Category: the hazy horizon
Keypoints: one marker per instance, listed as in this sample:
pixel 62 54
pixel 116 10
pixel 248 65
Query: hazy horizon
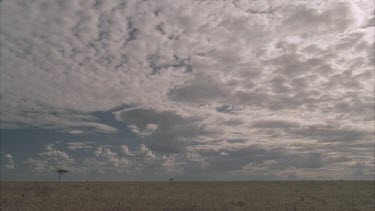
pixel 270 90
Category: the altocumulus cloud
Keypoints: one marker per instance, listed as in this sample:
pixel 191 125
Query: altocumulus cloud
pixel 198 89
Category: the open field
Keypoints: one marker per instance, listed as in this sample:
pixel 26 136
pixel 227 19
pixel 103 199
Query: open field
pixel 329 195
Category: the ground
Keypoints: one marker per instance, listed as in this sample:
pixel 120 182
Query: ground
pixel 167 196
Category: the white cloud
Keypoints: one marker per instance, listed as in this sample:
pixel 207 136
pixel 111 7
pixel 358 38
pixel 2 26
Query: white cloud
pixel 170 164
pixel 134 128
pixel 106 155
pixel 150 128
pixel 143 151
pixel 199 74
pixel 77 132
pixel 50 160
pixel 79 145
pixel 147 131
pixel 38 165
pixel 137 162
pixel 93 54
pixel 125 151
pixel 9 162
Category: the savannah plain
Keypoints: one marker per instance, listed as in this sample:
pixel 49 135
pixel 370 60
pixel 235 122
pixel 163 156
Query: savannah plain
pixel 168 196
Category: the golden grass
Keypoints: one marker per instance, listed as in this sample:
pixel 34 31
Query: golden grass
pixel 167 196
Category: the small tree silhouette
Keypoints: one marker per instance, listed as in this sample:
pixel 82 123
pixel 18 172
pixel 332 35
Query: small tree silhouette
pixel 61 172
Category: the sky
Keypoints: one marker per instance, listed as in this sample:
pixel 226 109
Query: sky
pixel 190 89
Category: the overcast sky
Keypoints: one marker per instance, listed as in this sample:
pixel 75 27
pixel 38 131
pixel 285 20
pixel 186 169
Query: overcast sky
pixel 193 89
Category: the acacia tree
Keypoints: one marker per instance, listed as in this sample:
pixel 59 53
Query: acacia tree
pixel 61 172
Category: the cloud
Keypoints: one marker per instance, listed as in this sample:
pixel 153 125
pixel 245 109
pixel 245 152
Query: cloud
pixel 9 162
pixel 274 124
pixel 37 165
pixel 69 62
pixel 105 155
pixel 172 134
pixel 169 163
pixel 233 122
pixel 196 84
pixel 45 117
pixel 145 152
pixel 202 89
pixel 49 160
pixel 325 133
pixel 363 170
pixel 227 109
pixel 79 145
pixel 253 155
pixel 141 152
pixel 147 131
pixel 236 141
pixel 121 160
pixel 126 151
pixel 337 17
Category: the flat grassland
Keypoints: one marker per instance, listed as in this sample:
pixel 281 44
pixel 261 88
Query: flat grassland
pixel 163 196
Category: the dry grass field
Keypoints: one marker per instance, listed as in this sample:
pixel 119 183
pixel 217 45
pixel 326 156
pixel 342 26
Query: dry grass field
pixel 330 195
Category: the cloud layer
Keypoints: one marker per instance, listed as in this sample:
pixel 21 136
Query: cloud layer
pixel 240 89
